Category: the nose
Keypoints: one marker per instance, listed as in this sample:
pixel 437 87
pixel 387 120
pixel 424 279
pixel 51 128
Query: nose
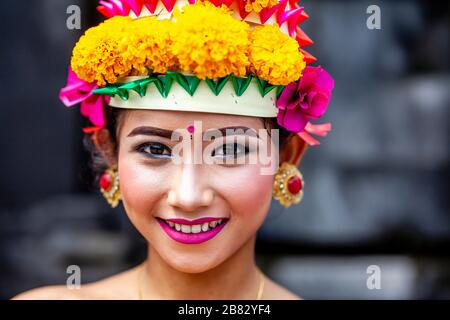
pixel 190 190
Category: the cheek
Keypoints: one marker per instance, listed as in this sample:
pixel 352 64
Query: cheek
pixel 248 194
pixel 140 187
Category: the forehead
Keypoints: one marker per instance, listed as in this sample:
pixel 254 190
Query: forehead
pixel 172 120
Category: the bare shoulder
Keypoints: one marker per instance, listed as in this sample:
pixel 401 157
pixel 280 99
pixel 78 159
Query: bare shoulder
pixel 115 287
pixel 49 293
pixel 274 291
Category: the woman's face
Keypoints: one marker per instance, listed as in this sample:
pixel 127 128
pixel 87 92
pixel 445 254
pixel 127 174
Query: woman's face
pixel 156 189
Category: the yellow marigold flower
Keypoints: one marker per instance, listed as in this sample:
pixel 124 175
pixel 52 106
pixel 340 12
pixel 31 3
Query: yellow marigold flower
pixel 97 55
pixel 122 46
pixel 258 5
pixel 209 42
pixel 147 44
pixel 274 56
pixel 203 39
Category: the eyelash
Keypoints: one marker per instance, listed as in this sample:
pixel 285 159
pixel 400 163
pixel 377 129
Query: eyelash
pixel 236 146
pixel 142 149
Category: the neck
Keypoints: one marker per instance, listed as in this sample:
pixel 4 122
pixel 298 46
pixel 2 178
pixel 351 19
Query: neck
pixel 235 278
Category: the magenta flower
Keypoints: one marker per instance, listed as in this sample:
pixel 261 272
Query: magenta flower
pixel 305 100
pixel 77 91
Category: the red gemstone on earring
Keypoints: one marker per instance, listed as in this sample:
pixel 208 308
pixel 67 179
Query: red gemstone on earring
pixel 105 181
pixel 294 184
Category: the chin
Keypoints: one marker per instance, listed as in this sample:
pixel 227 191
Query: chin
pixel 193 263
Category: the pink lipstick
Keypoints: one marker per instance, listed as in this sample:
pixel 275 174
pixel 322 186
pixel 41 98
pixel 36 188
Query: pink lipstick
pixel 178 229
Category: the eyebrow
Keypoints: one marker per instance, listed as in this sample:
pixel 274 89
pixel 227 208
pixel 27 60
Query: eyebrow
pixel 150 131
pixel 154 131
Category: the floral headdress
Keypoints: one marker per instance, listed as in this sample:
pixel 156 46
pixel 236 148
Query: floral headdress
pixel 243 57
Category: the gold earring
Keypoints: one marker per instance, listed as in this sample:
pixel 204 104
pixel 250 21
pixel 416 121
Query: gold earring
pixel 288 185
pixel 109 186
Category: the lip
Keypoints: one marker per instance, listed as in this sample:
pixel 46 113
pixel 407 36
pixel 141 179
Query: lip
pixel 190 238
pixel 192 222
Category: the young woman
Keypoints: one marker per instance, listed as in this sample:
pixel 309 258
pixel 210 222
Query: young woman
pixel 176 148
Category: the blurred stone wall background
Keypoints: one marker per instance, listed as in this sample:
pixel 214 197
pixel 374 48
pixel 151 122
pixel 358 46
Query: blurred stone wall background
pixel 376 189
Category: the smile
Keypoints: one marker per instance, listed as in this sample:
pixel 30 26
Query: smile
pixel 192 232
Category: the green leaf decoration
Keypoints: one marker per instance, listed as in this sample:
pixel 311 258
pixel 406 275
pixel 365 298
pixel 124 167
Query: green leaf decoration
pixel 189 83
pixel 166 84
pixel 107 91
pixel 123 93
pixel 143 83
pixel 264 86
pixel 241 84
pixel 193 83
pixel 141 88
pixel 279 90
pixel 217 85
pixel 134 85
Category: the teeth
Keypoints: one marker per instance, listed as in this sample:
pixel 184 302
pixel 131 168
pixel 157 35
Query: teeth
pixel 185 228
pixel 213 224
pixel 196 228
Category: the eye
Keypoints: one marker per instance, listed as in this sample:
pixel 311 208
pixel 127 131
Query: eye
pixel 155 150
pixel 230 150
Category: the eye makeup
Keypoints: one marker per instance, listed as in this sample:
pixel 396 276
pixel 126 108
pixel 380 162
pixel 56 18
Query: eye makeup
pixel 154 150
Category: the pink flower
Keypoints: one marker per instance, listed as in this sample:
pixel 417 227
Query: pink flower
pixel 77 91
pixel 304 100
